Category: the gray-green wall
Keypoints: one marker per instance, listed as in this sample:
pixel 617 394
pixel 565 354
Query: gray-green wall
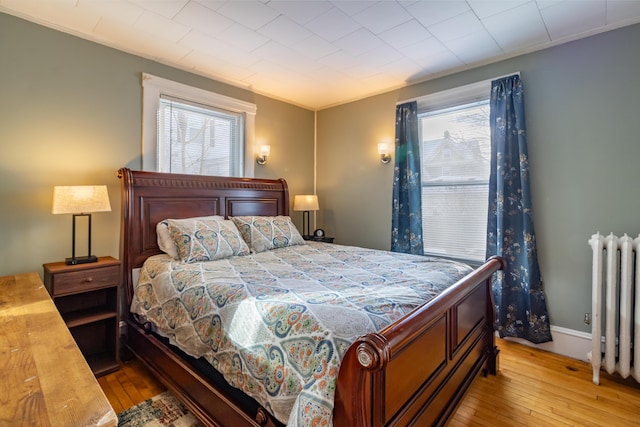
pixel 70 114
pixel 581 102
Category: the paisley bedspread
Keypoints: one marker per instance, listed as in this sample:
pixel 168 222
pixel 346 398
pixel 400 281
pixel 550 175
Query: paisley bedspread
pixel 276 324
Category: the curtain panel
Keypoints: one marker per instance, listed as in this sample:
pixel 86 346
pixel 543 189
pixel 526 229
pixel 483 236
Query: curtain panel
pixel 406 216
pixel 518 291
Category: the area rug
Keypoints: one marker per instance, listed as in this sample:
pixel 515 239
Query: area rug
pixel 163 410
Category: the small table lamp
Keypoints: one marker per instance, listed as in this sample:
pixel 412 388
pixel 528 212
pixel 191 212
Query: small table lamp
pixel 80 201
pixel 305 203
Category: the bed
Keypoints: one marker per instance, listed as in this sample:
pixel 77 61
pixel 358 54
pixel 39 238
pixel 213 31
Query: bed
pixel 413 371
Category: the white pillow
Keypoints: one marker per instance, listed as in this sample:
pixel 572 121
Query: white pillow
pixel 166 243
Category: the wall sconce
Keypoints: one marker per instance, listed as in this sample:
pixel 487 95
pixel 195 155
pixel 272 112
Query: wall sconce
pixel 385 152
pixel 264 152
pixel 80 201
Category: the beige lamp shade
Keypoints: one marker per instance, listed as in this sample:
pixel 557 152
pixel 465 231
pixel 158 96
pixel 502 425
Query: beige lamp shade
pixel 80 199
pixel 306 202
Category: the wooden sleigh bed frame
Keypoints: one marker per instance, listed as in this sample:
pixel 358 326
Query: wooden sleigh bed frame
pixel 414 372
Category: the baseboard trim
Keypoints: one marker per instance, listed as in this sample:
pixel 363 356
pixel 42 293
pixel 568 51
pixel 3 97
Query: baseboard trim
pixel 567 342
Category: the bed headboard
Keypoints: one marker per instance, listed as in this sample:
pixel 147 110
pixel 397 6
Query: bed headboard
pixel 150 197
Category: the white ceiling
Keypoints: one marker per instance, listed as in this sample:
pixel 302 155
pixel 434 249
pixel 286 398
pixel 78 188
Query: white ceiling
pixel 318 53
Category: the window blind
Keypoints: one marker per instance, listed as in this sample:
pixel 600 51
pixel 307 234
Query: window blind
pixel 196 139
pixel 455 176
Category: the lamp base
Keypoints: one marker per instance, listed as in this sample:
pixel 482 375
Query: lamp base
pixel 81 260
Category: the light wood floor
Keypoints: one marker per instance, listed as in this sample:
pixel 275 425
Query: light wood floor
pixel 533 388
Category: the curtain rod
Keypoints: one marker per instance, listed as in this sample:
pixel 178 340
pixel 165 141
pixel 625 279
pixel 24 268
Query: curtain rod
pixel 458 87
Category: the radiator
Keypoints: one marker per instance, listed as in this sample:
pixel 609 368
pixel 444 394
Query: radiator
pixel 615 306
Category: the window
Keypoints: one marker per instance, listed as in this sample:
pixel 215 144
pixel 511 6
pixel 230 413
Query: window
pixel 456 150
pixel 190 130
pixel 198 140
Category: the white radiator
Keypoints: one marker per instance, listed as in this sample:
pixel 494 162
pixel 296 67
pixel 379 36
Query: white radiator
pixel 615 306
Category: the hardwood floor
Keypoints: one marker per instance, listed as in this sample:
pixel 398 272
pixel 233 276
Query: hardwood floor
pixel 539 388
pixel 533 387
pixel 130 385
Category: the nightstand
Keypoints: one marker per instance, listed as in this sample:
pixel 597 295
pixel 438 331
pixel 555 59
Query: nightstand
pixel 319 239
pixel 86 296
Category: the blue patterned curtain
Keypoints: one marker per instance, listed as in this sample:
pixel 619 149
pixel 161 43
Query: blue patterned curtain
pixel 406 217
pixel 518 292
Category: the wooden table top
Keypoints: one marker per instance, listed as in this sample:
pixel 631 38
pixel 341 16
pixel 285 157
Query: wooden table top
pixel 45 380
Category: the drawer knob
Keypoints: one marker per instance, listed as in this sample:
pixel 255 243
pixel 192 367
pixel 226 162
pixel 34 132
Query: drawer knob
pixel 89 279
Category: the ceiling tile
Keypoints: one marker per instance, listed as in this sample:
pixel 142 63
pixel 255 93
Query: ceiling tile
pixel 382 16
pixel 251 14
pixel 61 15
pixel 358 42
pixel 283 56
pixel 314 47
pixel 121 11
pixel 332 25
pixel 402 70
pixel 167 8
pixel 242 37
pixel 369 63
pixel 202 42
pixel 203 19
pixel 474 47
pixel 517 28
pixel 23 8
pixel 140 43
pixel 300 11
pixel 573 17
pixel 284 31
pixel 215 48
pixel 339 60
pixel 543 4
pixel 159 26
pixel 266 70
pixel 405 34
pixel 433 12
pixel 35 7
pixel 351 7
pixel 423 49
pixel 201 61
pixel 440 62
pixel 210 4
pixel 454 28
pixel 484 9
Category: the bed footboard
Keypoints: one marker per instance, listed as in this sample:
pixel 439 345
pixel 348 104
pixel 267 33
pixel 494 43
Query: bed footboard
pixel 416 371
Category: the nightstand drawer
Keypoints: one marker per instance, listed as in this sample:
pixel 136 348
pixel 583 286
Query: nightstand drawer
pixel 85 280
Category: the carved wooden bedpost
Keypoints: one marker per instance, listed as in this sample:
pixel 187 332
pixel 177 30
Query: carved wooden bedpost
pixel 492 365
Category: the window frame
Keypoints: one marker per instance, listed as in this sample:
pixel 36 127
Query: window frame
pixel 154 87
pixel 459 96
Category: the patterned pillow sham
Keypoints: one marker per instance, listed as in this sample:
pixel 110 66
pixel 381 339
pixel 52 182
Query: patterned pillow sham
pixel 263 233
pixel 165 242
pixel 206 240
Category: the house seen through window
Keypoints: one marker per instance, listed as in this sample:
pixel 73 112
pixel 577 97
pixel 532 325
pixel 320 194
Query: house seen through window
pixel 456 150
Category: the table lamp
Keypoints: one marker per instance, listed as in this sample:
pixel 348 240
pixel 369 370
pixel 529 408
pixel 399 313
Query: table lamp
pixel 305 203
pixel 80 201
